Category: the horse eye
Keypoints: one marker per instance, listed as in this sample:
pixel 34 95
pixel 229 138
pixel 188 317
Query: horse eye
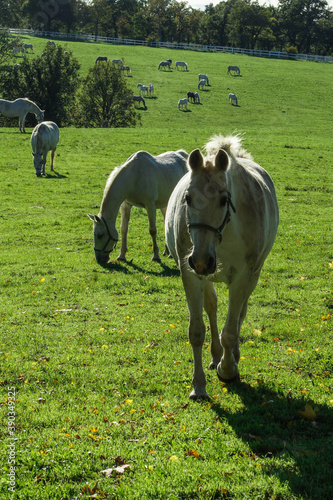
pixel 188 199
pixel 223 201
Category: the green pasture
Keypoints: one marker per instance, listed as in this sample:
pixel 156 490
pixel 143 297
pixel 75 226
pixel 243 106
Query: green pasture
pixel 98 357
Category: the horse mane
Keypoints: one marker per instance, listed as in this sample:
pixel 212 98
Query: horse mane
pixel 232 144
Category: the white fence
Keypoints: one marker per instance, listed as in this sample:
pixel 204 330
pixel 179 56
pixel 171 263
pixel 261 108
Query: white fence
pixel 178 46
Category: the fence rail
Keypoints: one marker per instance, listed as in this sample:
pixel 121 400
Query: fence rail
pixel 174 45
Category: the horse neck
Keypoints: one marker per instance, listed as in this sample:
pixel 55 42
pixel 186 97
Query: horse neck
pixel 114 194
pixel 33 108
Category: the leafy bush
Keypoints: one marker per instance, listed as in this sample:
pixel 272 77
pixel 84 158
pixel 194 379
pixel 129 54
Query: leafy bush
pixel 106 100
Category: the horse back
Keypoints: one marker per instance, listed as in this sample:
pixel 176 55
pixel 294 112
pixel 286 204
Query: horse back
pixel 44 137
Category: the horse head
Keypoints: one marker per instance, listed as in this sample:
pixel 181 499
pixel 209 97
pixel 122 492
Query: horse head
pixel 207 202
pixel 104 241
pixel 39 164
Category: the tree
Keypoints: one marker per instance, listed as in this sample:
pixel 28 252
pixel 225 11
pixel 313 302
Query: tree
pixel 50 80
pixel 6 46
pixel 105 99
pixel 298 20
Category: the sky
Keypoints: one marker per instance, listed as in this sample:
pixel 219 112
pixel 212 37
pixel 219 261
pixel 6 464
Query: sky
pixel 200 4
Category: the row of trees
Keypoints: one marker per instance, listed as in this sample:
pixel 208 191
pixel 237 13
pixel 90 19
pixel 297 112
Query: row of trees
pixel 102 99
pixel 306 25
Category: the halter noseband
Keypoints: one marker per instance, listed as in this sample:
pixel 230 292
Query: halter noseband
pixel 109 239
pixel 217 231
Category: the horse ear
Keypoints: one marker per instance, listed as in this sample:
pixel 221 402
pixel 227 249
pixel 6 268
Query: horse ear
pixel 196 160
pixel 94 218
pixel 222 160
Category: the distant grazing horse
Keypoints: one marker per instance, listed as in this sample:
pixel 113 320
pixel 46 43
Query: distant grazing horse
pixel 16 50
pixel 233 68
pixel 44 138
pixel 181 64
pixel 194 96
pixel 220 225
pixel 182 103
pixel 151 88
pixel 202 84
pixel 27 46
pixel 144 89
pixel 101 59
pixel 233 97
pixel 117 61
pixel 203 77
pixel 20 108
pixel 51 42
pixel 164 64
pixel 125 68
pixel 138 98
pixel 143 181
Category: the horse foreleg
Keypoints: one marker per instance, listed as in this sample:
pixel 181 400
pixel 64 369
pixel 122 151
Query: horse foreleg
pixel 151 211
pixel 210 305
pixel 194 289
pixel 125 211
pixel 239 293
pixel 22 123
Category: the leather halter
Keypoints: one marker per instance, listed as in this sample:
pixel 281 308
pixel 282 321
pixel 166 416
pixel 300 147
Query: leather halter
pixel 109 239
pixel 216 230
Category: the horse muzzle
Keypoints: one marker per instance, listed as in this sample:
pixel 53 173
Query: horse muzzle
pixel 203 266
pixel 102 257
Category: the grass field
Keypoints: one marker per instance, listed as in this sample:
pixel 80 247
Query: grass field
pixel 96 366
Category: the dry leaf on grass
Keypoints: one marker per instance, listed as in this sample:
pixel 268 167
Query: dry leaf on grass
pixel 308 413
pixel 120 469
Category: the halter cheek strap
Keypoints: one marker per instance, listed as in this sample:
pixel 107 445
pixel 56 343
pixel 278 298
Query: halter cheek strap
pixel 216 230
pixel 111 238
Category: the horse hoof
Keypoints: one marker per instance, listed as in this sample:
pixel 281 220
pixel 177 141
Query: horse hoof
pixel 122 259
pixel 156 259
pixel 236 378
pixel 197 397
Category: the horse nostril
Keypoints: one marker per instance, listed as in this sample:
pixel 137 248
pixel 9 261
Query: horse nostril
pixel 211 265
pixel 190 261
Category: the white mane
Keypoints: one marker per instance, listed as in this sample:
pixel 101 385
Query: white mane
pixel 232 144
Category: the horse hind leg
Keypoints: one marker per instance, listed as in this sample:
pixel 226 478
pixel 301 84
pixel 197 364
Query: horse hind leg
pixel 52 159
pixel 151 211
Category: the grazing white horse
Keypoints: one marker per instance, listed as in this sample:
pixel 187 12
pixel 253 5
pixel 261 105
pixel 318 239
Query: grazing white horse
pixel 143 181
pixel 138 98
pixel 233 97
pixel 118 62
pixel 181 64
pixel 101 59
pixel 151 88
pixel 144 89
pixel 164 64
pixel 21 107
pixel 203 77
pixel 220 225
pixel 182 103
pixel 202 84
pixel 233 68
pixel 44 138
pixel 27 46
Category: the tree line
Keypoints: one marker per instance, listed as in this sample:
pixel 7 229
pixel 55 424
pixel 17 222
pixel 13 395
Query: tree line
pixel 303 26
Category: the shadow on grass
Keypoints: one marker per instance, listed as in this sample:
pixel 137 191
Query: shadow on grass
pixel 271 425
pixel 156 268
